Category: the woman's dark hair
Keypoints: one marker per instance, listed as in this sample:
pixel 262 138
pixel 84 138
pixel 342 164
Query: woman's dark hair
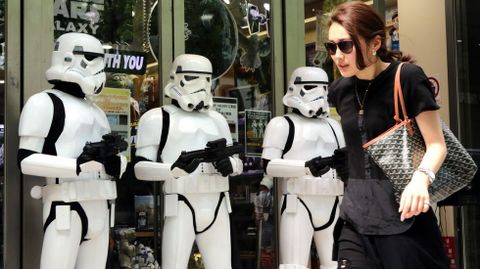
pixel 362 21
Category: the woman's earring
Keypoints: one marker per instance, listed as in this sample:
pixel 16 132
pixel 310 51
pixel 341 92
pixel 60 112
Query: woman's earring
pixel 374 52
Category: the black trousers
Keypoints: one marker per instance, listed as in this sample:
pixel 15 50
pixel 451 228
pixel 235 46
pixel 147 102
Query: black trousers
pixel 420 247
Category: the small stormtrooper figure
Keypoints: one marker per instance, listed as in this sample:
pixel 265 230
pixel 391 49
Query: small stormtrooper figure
pixel 197 203
pixel 55 127
pixel 293 148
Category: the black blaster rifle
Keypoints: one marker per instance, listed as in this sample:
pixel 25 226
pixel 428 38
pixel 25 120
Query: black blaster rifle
pixel 326 161
pixel 330 161
pixel 110 145
pixel 215 151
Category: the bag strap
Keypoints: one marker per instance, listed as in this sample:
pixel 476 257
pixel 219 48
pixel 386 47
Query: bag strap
pixel 398 98
pixel 398 94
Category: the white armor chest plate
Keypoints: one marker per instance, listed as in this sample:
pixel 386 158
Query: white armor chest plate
pixel 191 131
pixel 188 131
pixel 84 122
pixel 313 137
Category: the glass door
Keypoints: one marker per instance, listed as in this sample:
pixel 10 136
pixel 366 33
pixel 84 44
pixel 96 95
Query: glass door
pixel 124 27
pixel 2 125
pixel 464 84
pixel 236 37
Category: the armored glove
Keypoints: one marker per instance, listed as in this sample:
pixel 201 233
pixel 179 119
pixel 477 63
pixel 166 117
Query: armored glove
pixel 315 166
pixel 112 164
pixel 182 168
pixel 83 158
pixel 340 163
pixel 224 166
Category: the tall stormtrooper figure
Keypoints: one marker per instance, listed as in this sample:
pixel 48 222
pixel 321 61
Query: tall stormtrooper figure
pixel 55 125
pixel 196 193
pixel 293 148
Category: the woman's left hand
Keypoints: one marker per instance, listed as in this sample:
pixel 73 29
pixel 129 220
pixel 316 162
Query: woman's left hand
pixel 415 198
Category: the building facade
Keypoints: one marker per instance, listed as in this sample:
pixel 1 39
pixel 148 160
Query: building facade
pixel 254 45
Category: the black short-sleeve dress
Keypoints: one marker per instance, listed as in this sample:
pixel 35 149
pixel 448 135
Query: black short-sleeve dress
pixel 369 204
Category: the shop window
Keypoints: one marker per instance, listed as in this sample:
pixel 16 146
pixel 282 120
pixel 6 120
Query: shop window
pixel 235 36
pixel 131 89
pixel 2 123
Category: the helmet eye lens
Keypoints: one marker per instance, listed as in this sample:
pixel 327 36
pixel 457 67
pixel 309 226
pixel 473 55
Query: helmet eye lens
pixel 89 56
pixel 309 87
pixel 189 78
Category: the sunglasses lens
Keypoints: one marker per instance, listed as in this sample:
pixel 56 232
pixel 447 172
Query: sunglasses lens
pixel 331 47
pixel 345 46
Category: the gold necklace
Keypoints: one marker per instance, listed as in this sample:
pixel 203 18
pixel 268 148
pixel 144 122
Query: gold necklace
pixel 362 103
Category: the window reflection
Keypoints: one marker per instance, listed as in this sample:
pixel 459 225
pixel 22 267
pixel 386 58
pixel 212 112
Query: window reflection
pixel 235 36
pixel 2 121
pixel 131 89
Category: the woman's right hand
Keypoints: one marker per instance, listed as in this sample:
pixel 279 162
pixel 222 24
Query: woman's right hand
pixel 415 198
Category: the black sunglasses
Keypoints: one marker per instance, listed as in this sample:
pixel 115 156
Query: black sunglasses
pixel 345 46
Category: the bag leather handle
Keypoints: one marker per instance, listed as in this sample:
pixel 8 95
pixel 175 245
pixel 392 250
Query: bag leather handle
pixel 398 93
pixel 398 98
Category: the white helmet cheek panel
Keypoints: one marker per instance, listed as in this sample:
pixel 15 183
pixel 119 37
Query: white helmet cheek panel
pixel 308 92
pixel 190 82
pixel 78 58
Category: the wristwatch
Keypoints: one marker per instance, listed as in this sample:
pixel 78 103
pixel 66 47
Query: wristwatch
pixel 428 172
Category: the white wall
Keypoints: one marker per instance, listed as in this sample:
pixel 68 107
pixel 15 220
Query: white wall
pixel 423 35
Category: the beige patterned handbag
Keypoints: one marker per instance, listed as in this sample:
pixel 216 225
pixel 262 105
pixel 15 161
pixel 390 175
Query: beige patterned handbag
pixel 400 149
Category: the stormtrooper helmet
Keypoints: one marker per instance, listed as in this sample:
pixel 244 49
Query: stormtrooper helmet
pixel 307 92
pixel 78 58
pixel 190 82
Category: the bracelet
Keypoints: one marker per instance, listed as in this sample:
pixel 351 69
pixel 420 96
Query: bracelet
pixel 428 172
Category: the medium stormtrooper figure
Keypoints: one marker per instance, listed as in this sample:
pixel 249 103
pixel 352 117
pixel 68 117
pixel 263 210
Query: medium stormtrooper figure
pixel 76 213
pixel 293 148
pixel 196 193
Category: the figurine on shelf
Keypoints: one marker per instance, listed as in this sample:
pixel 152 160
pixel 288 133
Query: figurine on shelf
pixel 305 148
pixel 127 248
pixel 189 146
pixel 65 138
pixel 144 258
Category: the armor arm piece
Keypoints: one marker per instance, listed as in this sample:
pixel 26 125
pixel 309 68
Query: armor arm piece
pixel 49 166
pixel 153 171
pixel 148 139
pixel 287 168
pixel 276 135
pixel 33 123
pixel 237 165
pixel 148 134
pixel 33 129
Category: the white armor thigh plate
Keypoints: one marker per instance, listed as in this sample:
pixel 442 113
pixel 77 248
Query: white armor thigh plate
pixel 313 137
pixel 191 131
pixel 84 122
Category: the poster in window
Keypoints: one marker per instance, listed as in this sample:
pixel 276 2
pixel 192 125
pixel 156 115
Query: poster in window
pixel 229 109
pixel 393 34
pixel 255 123
pixel 116 105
